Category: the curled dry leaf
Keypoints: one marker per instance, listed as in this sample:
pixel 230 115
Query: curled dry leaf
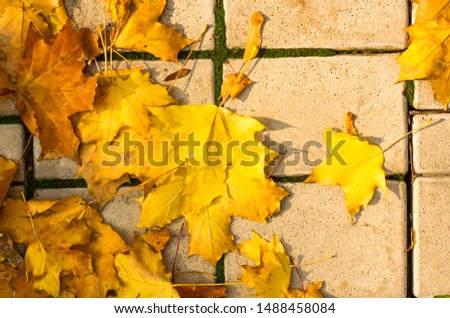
pixel 178 74
pixel 234 84
pixel 7 252
pixel 142 31
pixel 353 164
pixel 254 37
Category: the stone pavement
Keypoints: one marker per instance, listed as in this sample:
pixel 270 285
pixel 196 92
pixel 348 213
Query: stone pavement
pixel 342 59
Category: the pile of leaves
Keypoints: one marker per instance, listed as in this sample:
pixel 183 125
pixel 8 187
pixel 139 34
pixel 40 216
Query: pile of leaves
pixel 91 118
pixel 427 55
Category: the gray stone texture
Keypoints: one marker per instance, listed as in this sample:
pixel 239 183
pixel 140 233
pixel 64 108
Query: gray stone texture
pixel 431 221
pixel 298 98
pixel 340 25
pixel 314 224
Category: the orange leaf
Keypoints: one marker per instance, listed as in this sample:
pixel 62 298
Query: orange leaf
pixel 52 87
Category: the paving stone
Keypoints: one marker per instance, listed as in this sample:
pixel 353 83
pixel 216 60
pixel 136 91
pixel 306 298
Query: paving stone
pixel 61 168
pixel 298 98
pixel 188 17
pixel 430 150
pixel 370 254
pixel 12 143
pixel 196 88
pixel 123 213
pixel 431 221
pixel 15 192
pixel 188 269
pixel 423 96
pixel 61 193
pixel 319 24
pixel 8 108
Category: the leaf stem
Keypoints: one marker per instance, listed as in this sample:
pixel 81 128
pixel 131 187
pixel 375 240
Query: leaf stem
pixel 426 124
pixel 187 58
pixel 176 251
pixel 320 260
pixel 297 269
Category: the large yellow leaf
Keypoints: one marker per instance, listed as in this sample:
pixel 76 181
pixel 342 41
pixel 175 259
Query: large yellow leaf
pixel 8 170
pixel 353 164
pixel 52 87
pixel 122 99
pixel 142 273
pixel 143 32
pixel 271 274
pixel 428 44
pixel 426 56
pixel 215 171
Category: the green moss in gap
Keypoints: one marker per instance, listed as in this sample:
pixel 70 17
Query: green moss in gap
pixel 290 179
pixel 396 177
pixel 410 92
pixel 220 271
pixel 7 120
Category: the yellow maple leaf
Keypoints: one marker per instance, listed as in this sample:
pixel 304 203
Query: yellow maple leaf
pixel 426 56
pixel 16 16
pixel 49 253
pixel 142 273
pixel 70 250
pixel 432 9
pixel 207 186
pixel 106 165
pixel 142 32
pixel 8 170
pixel 234 84
pixel 254 37
pixel 103 247
pixel 122 99
pixel 353 164
pixel 52 87
pixel 271 274
pixel 428 42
